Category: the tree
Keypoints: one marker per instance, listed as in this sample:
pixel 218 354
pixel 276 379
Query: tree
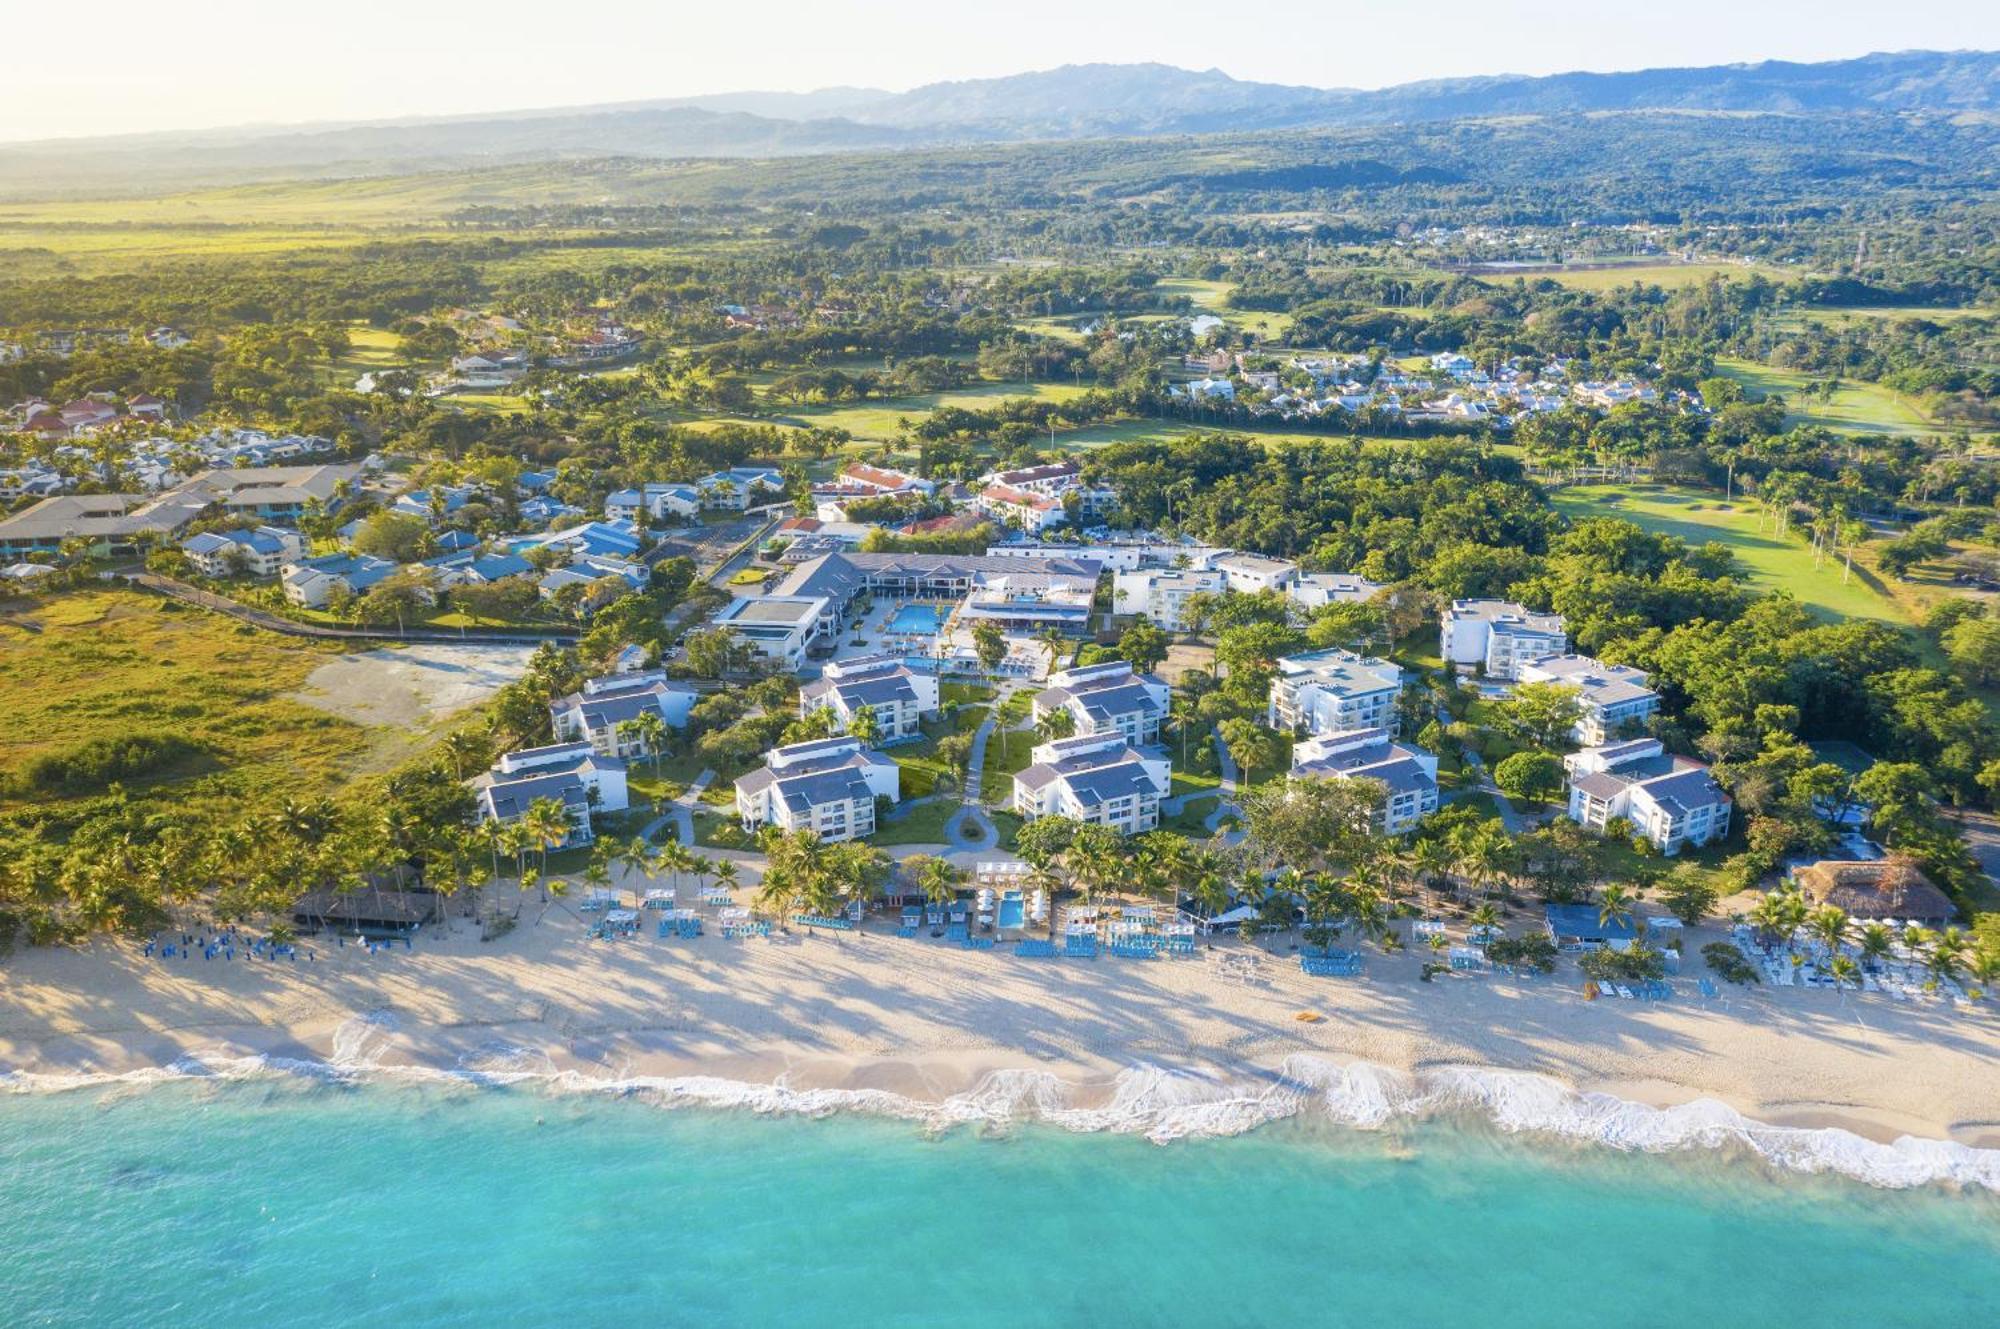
pixel 1057 723
pixel 1530 775
pixel 865 726
pixel 1974 647
pixel 1251 746
pixel 1688 895
pixel 1053 643
pixel 394 536
pixel 989 644
pixel 1315 823
pixel 1614 906
pixel 1145 645
pixel 713 652
pixel 1541 713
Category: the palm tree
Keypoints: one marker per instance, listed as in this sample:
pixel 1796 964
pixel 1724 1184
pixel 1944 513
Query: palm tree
pixel 1431 859
pixel 1947 956
pixel 865 726
pixel 726 873
pixel 635 855
pixel 1875 942
pixel 1830 925
pixel 550 826
pixel 1486 916
pixel 1844 972
pixel 652 729
pixel 1058 723
pixel 676 858
pixel 1052 641
pixel 1614 906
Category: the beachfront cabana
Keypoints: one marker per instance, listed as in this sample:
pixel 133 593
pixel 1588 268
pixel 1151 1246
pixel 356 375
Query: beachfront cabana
pixel 1577 927
pixel 367 910
pixel 1876 890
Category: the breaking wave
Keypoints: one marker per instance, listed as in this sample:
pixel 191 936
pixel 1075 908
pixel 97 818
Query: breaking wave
pixel 1158 1103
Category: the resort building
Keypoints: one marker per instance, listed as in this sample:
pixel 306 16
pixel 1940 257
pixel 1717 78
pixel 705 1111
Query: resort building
pixel 1498 636
pixel 1160 594
pixel 1332 692
pixel 1317 590
pixel 313 581
pixel 884 480
pixel 261 551
pixel 1408 773
pixel 1016 594
pixel 1671 801
pixel 1247 574
pixel 827 786
pixel 896 695
pixel 113 523
pixel 1034 498
pixel 1615 698
pixel 779 628
pixel 1095 778
pixel 1108 698
pixel 741 487
pixel 603 713
pixel 660 501
pixel 575 775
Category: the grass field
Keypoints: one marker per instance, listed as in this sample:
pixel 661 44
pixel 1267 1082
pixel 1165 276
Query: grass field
pixel 1857 408
pixel 1772 563
pixel 1212 297
pixel 1651 274
pixel 109 664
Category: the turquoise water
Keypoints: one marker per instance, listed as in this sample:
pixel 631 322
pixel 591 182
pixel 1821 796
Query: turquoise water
pixel 917 621
pixel 266 1203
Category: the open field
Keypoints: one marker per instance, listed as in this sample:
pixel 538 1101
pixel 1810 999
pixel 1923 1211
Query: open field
pixel 104 665
pixel 1772 563
pixel 1212 297
pixel 1615 274
pixel 1856 408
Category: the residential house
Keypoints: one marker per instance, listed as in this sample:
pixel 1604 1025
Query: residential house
pixel 1097 778
pixel 596 714
pixel 1334 691
pixel 1671 801
pixel 1615 698
pixel 1107 698
pixel 896 695
pixel 261 551
pixel 827 786
pixel 1498 635
pixel 1408 773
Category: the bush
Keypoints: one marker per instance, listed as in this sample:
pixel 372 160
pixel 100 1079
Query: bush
pixel 1639 964
pixel 1536 951
pixel 91 766
pixel 1729 963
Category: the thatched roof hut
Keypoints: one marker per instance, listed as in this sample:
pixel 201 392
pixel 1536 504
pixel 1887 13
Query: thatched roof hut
pixel 1885 888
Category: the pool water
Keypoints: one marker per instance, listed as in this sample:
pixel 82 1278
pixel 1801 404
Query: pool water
pixel 1013 911
pixel 917 620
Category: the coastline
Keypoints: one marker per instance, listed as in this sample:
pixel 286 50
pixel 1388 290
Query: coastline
pixel 1894 1094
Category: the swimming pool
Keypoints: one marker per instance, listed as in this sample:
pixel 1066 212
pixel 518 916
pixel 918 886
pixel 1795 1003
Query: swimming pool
pixel 1013 911
pixel 916 621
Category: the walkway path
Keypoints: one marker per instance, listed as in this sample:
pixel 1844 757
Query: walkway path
pixel 1509 818
pixel 681 812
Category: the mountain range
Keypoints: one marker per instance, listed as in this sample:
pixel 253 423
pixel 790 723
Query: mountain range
pixel 1072 102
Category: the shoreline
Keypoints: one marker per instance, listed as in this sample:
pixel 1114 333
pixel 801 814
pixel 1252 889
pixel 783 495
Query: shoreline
pixel 917 1028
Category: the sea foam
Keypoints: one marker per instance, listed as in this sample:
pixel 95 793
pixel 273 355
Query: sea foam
pixel 1159 1103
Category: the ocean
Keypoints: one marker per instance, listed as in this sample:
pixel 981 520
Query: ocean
pixel 290 1200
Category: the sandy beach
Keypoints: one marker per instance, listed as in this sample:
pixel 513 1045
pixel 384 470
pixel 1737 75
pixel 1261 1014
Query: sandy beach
pixel 925 1020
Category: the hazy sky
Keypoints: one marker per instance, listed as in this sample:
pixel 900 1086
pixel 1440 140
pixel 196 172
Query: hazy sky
pixel 108 66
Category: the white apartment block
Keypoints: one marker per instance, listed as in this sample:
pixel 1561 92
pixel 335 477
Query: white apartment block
pixel 895 694
pixel 1671 801
pixel 1108 698
pixel 1160 594
pixel 1334 691
pixel 780 628
pixel 827 786
pixel 1612 696
pixel 601 712
pixel 1408 773
pixel 1097 778
pixel 1498 636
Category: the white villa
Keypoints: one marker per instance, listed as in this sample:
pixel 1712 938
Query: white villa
pixel 740 487
pixel 778 627
pixel 1248 574
pixel 1332 692
pixel 660 501
pixel 1317 590
pixel 1498 635
pixel 897 695
pixel 1108 698
pixel 1670 800
pixel 827 786
pixel 1095 778
pixel 1409 773
pixel 1612 696
pixel 595 714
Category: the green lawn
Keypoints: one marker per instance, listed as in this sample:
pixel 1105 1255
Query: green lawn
pixel 1857 408
pixel 924 825
pixel 1192 820
pixel 1772 563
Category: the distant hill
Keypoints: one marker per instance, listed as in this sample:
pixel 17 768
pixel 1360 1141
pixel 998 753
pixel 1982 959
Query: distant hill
pixel 1075 101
